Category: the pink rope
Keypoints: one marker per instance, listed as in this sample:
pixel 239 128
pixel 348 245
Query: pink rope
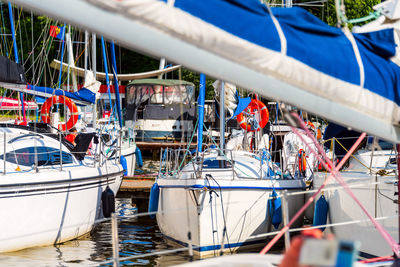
pixel 389 239
pixel 311 199
pixel 337 176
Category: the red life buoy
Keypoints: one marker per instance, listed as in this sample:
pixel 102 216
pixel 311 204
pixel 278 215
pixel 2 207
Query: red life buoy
pixel 302 162
pixel 251 108
pixel 46 108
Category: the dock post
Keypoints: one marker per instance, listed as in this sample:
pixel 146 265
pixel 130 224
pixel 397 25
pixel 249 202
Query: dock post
pixel 285 215
pixel 114 231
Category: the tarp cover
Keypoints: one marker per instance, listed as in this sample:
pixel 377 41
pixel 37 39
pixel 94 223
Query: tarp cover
pixel 11 72
pixel 288 43
pixel 83 94
pixel 283 54
pixel 7 103
pixel 325 49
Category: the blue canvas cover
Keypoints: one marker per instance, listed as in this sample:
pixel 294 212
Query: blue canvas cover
pixel 84 95
pixel 281 54
pixel 309 40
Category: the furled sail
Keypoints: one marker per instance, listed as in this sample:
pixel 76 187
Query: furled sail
pixel 283 54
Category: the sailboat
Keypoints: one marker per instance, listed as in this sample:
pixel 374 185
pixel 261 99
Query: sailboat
pixel 284 54
pixel 160 110
pixel 221 200
pixel 371 173
pixel 55 186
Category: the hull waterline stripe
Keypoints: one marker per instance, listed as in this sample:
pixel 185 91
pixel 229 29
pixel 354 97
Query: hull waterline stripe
pixel 217 247
pixel 231 187
pixel 63 181
pixel 13 194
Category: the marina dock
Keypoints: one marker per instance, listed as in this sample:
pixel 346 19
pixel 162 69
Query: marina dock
pixel 137 188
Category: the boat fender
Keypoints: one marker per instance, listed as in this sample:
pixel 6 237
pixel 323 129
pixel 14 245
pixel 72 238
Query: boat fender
pixel 124 164
pixel 275 209
pixel 139 158
pixel 108 202
pixel 321 212
pixel 153 201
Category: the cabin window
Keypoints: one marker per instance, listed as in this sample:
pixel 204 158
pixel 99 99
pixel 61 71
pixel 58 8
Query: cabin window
pixel 159 94
pixel 46 156
pixel 137 94
pixel 385 145
pixel 216 164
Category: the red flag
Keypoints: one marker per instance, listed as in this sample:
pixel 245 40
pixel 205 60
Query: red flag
pixel 57 32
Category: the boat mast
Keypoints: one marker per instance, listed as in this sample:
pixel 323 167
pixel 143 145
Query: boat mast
pixel 62 55
pixel 162 66
pixel 398 187
pixel 86 51
pixel 200 104
pixel 85 66
pixel 222 117
pixel 10 12
pixel 103 45
pixel 94 73
pixel 71 62
pixel 116 85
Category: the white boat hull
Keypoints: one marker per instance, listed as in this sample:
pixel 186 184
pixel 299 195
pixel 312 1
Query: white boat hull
pixel 128 151
pixel 38 211
pixel 192 207
pixel 378 200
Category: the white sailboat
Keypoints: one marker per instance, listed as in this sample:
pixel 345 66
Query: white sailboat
pixel 371 174
pixel 219 201
pixel 48 193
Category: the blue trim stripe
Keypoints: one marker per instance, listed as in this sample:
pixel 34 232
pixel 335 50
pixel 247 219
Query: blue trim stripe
pixel 199 186
pixel 216 247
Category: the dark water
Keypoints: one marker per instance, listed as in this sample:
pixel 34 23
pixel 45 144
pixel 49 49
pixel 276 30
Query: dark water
pixel 137 236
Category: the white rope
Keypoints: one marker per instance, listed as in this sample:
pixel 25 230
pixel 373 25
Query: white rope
pixel 320 226
pixel 278 28
pixel 357 54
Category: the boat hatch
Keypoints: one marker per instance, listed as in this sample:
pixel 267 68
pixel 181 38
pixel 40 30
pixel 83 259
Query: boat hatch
pixel 45 156
pixel 216 163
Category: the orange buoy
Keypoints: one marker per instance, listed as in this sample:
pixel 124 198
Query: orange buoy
pixel 46 108
pixel 251 108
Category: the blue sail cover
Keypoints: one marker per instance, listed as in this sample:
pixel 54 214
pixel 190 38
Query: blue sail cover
pixel 308 40
pixel 284 54
pixel 83 95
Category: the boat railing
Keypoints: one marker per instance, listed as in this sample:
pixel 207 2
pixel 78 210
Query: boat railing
pixel 37 154
pixel 172 162
pixel 380 157
pixel 285 195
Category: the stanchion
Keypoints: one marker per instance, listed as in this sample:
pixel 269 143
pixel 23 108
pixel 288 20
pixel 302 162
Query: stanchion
pixel 114 231
pixel 285 215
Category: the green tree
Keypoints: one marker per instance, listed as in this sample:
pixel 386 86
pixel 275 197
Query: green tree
pixel 353 9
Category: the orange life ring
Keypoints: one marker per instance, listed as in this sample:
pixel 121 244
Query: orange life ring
pixel 251 108
pixel 46 108
pixel 302 162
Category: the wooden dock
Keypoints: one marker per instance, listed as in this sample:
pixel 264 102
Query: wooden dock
pixel 137 188
pixel 158 145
